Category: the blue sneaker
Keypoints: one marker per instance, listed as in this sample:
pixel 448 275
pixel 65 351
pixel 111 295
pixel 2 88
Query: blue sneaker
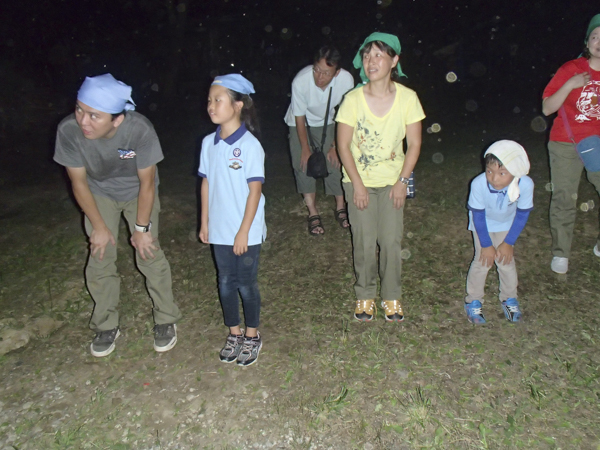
pixel 511 310
pixel 474 313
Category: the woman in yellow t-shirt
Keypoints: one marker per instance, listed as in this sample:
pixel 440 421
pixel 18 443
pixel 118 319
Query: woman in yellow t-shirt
pixel 373 120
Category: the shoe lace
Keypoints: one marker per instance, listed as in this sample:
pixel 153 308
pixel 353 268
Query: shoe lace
pixel 249 345
pixel 163 330
pixel 366 306
pixel 475 311
pixel 513 308
pixel 392 307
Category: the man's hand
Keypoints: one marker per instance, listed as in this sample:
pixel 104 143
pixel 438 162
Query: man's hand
pixel 332 157
pixel 99 239
pixel 144 244
pixel 488 254
pixel 398 194
pixel 504 253
pixel 304 158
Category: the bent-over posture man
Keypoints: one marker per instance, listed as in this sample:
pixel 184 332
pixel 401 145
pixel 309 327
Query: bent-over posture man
pixel 110 153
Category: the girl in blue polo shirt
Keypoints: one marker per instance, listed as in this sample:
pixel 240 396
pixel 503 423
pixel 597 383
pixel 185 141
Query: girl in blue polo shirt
pixel 233 219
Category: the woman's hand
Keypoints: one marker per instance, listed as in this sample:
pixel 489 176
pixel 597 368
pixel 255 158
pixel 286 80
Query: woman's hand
pixel 579 80
pixel 361 196
pixel 398 194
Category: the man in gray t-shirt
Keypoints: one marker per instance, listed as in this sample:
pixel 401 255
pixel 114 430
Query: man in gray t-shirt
pixel 110 153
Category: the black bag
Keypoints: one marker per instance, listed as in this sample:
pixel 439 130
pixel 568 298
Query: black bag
pixel 316 166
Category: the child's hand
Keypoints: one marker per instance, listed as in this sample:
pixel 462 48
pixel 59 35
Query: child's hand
pixel 361 196
pixel 203 235
pixel 488 254
pixel 240 243
pixel 398 194
pixel 504 253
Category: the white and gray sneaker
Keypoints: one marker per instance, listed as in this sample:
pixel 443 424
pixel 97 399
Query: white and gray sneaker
pixel 232 348
pixel 104 342
pixel 250 350
pixel 165 337
pixel 560 264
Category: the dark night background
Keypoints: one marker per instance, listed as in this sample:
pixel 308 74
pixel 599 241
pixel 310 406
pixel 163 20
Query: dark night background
pixel 503 52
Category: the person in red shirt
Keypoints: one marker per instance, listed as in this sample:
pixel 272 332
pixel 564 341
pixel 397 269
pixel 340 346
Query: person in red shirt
pixel 576 88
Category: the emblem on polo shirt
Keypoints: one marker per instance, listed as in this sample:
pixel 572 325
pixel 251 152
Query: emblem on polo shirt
pixel 126 154
pixel 235 165
pixel 237 152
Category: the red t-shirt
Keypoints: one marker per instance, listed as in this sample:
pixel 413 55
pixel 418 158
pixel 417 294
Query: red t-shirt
pixel 582 104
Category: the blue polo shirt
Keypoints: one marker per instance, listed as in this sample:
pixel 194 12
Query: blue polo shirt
pixel 229 165
pixel 499 212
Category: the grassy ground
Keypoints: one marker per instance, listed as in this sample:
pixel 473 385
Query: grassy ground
pixel 322 380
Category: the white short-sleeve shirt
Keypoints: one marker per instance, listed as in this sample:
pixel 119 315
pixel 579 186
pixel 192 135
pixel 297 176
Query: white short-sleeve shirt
pixel 311 101
pixel 498 217
pixel 229 165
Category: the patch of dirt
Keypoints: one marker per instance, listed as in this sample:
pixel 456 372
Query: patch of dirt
pixel 322 380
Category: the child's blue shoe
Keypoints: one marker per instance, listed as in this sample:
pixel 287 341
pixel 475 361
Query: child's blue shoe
pixel 474 313
pixel 511 310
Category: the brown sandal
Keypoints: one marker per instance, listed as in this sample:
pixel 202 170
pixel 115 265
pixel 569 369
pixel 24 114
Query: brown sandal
pixel 341 215
pixel 314 222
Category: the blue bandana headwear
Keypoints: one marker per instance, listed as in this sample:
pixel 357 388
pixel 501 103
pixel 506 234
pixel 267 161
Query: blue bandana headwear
pixel 106 94
pixel 235 82
pixel 386 38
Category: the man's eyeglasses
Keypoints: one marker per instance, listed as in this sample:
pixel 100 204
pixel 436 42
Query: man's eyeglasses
pixel 320 72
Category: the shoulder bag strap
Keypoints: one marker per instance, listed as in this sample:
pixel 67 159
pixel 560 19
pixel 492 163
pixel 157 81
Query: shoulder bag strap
pixel 563 115
pixel 326 117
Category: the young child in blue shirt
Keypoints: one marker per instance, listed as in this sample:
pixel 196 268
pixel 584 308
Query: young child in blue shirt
pixel 232 216
pixel 499 204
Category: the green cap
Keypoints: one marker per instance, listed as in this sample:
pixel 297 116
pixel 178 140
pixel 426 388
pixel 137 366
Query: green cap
pixel 594 23
pixel 386 38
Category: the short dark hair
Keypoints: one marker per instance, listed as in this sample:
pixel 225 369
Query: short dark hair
pixel 385 48
pixel 331 55
pixel 490 159
pixel 114 116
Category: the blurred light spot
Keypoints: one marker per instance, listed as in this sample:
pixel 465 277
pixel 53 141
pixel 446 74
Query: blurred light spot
pixel 549 187
pixel 154 87
pixel 405 254
pixel 471 105
pixel 325 30
pixel 451 77
pixel 477 69
pixel 437 158
pixel 429 130
pixel 439 139
pixel 286 34
pixel 436 128
pixel 268 28
pixel 181 8
pixel 516 110
pixel 152 106
pixel 538 124
pixel 378 16
pixel 409 235
pixel 591 204
pixel 584 207
pixel 574 196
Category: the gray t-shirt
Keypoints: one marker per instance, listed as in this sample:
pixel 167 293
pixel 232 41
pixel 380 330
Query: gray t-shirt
pixel 111 164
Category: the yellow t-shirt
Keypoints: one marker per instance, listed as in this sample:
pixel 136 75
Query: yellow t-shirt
pixel 377 142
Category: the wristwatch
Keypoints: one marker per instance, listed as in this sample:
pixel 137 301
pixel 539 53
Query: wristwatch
pixel 143 228
pixel 403 180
